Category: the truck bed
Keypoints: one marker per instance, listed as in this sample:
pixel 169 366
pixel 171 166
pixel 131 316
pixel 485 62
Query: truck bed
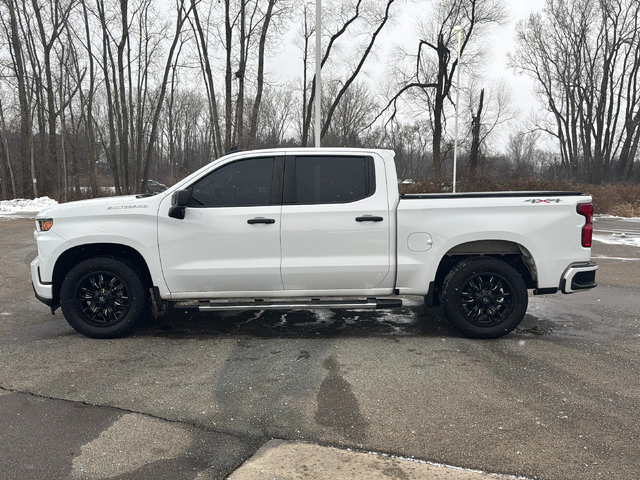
pixel 427 196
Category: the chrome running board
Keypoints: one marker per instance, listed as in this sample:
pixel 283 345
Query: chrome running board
pixel 368 304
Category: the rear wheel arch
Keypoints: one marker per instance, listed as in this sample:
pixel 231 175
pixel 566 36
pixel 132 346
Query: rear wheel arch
pixel 512 253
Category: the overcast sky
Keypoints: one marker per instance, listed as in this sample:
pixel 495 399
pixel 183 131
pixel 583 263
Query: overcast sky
pixel 287 63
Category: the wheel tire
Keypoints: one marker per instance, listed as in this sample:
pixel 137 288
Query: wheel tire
pixel 468 291
pixel 120 319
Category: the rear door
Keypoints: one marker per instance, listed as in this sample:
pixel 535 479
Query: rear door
pixel 335 231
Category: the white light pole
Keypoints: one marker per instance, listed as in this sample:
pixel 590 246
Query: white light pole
pixel 458 29
pixel 318 70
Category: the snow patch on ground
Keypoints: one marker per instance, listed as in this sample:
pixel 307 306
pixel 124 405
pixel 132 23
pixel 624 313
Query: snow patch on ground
pixel 445 465
pixel 103 190
pixel 323 317
pixel 624 259
pixel 618 240
pixel 615 216
pixel 22 206
pixel 411 302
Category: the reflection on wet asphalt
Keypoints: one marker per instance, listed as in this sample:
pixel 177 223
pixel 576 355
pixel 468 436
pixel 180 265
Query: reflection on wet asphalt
pixel 409 320
pixel 415 319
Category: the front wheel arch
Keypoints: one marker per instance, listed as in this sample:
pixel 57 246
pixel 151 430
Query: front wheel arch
pixel 73 256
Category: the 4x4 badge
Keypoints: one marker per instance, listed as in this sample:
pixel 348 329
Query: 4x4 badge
pixel 543 200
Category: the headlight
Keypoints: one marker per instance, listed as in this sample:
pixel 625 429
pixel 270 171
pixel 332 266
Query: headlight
pixel 44 224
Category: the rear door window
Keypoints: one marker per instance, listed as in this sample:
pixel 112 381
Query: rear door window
pixel 330 179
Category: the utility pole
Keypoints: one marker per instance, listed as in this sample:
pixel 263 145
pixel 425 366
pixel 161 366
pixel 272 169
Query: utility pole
pixel 318 70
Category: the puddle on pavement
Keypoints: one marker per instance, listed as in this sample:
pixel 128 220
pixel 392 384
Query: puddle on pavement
pixel 408 321
pixel 414 319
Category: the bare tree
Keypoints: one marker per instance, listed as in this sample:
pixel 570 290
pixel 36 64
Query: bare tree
pixel 433 65
pixel 350 116
pixel 347 21
pixel 276 117
pixel 585 59
pixel 184 11
pixel 49 30
pixel 8 184
pixel 29 181
pixel 487 113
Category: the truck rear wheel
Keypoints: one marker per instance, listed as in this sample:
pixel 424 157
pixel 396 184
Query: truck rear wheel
pixel 103 297
pixel 484 298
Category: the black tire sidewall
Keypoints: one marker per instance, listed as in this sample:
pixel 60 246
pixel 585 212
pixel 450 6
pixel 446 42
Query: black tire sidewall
pixel 458 277
pixel 134 285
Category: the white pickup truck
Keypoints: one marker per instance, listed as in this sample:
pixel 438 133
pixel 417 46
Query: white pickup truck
pixel 309 228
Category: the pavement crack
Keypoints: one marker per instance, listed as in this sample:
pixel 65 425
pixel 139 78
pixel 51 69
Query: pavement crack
pixel 247 438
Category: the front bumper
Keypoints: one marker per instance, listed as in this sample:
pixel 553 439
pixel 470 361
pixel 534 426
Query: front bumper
pixel 579 276
pixel 42 290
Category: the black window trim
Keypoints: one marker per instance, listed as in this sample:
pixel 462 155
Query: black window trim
pixel 277 181
pixel 290 188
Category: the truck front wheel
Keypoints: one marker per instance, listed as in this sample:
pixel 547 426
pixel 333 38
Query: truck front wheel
pixel 103 297
pixel 484 297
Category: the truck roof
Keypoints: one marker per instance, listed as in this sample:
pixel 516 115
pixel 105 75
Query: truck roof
pixel 312 150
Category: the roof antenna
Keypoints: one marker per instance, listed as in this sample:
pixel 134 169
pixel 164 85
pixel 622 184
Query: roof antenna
pixel 233 149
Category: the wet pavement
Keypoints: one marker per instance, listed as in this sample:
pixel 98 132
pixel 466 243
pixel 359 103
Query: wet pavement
pixel 197 394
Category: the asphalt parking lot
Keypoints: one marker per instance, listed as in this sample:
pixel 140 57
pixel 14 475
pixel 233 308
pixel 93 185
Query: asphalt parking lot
pixel 194 396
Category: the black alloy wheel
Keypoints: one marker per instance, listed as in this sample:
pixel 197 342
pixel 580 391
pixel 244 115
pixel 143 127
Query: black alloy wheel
pixel 486 300
pixel 103 299
pixel 484 297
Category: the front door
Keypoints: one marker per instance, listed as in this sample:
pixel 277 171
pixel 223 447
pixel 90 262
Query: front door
pixel 335 223
pixel 229 240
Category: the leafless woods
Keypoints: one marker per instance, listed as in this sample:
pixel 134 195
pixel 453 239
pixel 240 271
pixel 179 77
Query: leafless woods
pixel 99 93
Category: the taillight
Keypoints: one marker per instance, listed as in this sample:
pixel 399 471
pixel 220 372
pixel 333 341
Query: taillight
pixel 586 210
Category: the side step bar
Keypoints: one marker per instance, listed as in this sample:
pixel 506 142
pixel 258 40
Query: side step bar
pixel 370 304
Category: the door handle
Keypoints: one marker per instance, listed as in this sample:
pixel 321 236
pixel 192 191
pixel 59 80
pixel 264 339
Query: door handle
pixel 253 221
pixel 369 218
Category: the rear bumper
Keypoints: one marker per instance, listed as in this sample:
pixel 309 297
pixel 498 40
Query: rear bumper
pixel 579 276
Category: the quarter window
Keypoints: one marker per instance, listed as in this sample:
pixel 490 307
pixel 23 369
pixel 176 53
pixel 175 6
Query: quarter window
pixel 333 179
pixel 242 183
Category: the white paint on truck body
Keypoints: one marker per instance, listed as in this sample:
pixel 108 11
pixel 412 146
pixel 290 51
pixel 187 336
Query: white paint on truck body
pixel 311 250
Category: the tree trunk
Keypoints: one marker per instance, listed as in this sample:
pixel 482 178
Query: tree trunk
pixel 124 109
pixel 239 127
pixel 6 170
pixel 476 122
pixel 256 104
pixel 206 64
pixel 227 77
pixel 112 152
pixel 182 17
pixel 92 160
pixel 25 109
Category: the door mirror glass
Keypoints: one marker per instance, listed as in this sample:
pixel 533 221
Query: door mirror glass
pixel 179 202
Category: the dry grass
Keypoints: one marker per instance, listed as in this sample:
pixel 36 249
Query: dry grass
pixel 621 200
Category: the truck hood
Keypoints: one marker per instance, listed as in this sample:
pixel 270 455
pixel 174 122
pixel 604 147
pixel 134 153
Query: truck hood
pixel 102 205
